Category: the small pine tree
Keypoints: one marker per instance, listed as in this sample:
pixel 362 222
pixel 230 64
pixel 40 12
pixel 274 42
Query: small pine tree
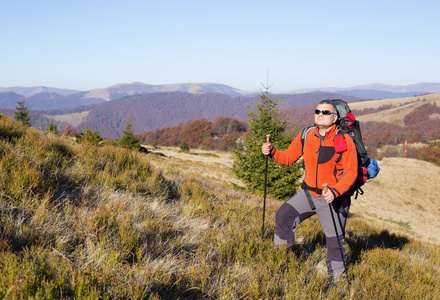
pixel 89 136
pixel 52 127
pixel 184 147
pixel 128 139
pixel 249 163
pixel 22 114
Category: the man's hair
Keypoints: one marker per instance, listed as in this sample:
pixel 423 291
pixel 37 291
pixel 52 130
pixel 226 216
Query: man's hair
pixel 331 103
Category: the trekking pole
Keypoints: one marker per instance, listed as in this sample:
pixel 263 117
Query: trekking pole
pixel 325 188
pixel 265 183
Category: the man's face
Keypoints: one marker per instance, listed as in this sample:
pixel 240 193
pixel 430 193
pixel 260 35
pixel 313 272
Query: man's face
pixel 325 121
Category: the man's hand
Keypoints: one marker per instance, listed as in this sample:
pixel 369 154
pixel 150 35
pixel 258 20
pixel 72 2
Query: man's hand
pixel 328 196
pixel 266 148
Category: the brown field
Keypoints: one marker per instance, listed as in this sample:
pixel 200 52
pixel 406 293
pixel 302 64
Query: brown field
pixel 402 199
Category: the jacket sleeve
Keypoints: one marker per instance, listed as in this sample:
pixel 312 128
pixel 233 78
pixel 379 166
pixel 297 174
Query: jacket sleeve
pixel 291 155
pixel 350 165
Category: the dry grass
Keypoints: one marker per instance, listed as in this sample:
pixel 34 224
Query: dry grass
pixel 214 165
pixel 403 198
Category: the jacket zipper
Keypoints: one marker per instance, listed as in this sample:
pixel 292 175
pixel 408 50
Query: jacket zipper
pixel 317 161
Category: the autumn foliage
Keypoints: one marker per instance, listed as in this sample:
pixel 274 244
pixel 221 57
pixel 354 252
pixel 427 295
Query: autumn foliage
pixel 221 134
pixel 421 126
pixel 431 153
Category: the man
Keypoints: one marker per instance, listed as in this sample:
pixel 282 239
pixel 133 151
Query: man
pixel 323 165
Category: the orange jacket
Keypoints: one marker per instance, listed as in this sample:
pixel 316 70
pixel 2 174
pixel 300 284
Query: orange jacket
pixel 322 163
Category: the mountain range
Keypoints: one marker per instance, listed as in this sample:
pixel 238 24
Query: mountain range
pixel 411 88
pixel 150 107
pixel 375 90
pixel 151 111
pixel 118 91
pixel 49 98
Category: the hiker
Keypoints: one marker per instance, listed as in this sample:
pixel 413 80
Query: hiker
pixel 322 165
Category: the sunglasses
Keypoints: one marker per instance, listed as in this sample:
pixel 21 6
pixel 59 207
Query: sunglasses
pixel 325 112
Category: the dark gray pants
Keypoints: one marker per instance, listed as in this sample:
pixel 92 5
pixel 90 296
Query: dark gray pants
pixel 297 209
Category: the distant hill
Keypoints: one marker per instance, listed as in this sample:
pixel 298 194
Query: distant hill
pixel 49 98
pixel 376 94
pixel 148 112
pixel 45 98
pixel 30 91
pixel 424 87
pixel 47 101
pixel 121 90
pixel 380 91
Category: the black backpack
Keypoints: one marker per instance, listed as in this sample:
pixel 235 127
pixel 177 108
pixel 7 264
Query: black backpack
pixel 347 123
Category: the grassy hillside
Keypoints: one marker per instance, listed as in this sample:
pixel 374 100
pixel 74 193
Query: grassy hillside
pixel 403 199
pixel 80 221
pixel 400 108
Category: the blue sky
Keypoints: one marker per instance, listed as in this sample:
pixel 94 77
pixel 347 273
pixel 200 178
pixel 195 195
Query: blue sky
pixel 301 44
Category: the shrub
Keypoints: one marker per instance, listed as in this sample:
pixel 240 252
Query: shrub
pixel 10 130
pixel 89 136
pixel 128 139
pixel 51 127
pixel 184 147
pixel 430 153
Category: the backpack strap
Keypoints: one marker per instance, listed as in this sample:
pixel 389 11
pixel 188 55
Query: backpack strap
pixel 309 199
pixel 304 186
pixel 304 137
pixel 359 191
pixel 307 190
